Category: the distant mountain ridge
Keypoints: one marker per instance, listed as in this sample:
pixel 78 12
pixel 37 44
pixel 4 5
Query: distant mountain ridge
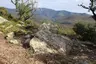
pixel 62 16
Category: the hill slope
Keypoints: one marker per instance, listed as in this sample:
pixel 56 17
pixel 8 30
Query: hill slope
pixel 64 17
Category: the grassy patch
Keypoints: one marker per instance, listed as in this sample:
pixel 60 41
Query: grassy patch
pixel 65 31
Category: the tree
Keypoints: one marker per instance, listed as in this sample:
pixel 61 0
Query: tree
pixel 91 7
pixel 25 8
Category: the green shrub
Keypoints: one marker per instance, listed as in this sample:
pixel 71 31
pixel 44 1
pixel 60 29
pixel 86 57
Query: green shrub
pixel 31 27
pixel 11 18
pixel 3 11
pixel 86 31
pixel 65 31
pixel 10 26
pixel 19 28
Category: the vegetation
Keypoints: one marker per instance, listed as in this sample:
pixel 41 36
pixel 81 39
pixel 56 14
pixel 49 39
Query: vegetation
pixel 4 13
pixel 25 9
pixel 18 28
pixel 86 31
pixel 11 26
pixel 65 31
pixel 91 7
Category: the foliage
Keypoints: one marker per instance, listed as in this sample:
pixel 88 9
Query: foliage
pixel 91 7
pixel 31 27
pixel 18 28
pixel 3 11
pixel 25 9
pixel 7 27
pixel 65 31
pixel 86 31
pixel 15 25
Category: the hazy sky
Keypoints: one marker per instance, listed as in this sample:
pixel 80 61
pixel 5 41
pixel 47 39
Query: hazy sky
pixel 69 5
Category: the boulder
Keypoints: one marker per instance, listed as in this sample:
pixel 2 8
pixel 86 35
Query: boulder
pixel 47 41
pixel 41 46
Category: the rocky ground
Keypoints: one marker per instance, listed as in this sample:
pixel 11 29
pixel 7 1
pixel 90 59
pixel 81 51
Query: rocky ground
pixel 80 52
pixel 48 47
pixel 14 54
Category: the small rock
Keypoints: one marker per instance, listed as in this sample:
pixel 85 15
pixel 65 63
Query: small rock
pixel 14 41
pixel 10 36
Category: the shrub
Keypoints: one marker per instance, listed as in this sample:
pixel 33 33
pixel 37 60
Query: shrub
pixel 28 27
pixel 3 11
pixel 10 26
pixel 19 28
pixel 66 31
pixel 86 31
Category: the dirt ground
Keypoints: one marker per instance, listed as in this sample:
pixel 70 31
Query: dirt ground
pixel 14 54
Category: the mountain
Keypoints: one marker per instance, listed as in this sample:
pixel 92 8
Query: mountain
pixel 62 16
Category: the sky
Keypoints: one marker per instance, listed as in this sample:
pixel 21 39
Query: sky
pixel 69 5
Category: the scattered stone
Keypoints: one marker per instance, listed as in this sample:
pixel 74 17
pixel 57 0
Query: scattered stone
pixel 14 41
pixel 10 36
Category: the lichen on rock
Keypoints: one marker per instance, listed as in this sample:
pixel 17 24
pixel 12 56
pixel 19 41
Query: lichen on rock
pixel 46 41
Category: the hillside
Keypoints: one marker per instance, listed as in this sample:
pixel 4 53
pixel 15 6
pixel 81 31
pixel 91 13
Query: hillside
pixel 44 47
pixel 62 16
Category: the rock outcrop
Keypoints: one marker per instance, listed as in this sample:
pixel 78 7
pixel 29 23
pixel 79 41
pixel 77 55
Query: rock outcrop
pixel 46 40
pixel 3 20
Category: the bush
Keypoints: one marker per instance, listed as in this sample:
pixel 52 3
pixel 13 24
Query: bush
pixel 86 31
pixel 18 28
pixel 8 27
pixel 65 31
pixel 3 11
pixel 31 26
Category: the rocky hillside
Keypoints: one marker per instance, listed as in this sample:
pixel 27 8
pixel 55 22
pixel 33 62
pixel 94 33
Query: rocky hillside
pixel 45 46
